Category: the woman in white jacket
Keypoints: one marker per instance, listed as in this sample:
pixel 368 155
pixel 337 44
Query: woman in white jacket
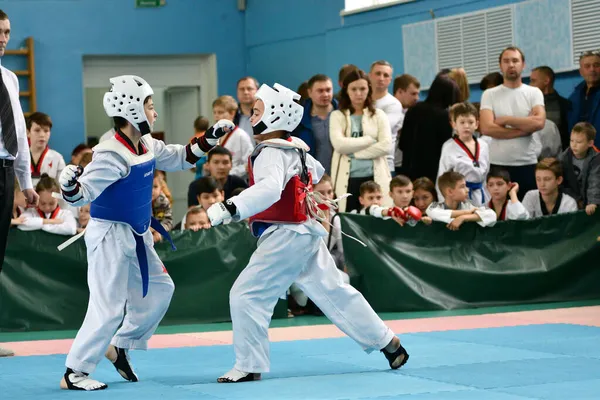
pixel 360 136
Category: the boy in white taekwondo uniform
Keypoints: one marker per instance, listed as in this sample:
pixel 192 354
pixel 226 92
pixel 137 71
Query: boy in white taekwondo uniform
pixel 283 209
pixel 129 285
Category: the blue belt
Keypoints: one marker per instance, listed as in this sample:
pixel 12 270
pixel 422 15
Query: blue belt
pixel 475 186
pixel 140 250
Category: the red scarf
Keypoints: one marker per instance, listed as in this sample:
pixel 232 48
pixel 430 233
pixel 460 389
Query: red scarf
pixel 52 216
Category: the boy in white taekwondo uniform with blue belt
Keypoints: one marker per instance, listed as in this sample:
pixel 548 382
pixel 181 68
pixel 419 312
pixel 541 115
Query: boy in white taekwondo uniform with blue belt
pixel 283 212
pixel 128 283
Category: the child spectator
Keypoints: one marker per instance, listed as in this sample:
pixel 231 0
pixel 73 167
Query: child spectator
pixel 201 125
pixel 424 193
pixel 19 205
pixel 371 198
pixel 48 216
pixel 465 154
pixel 581 167
pixel 456 209
pixel 238 141
pixel 83 217
pixel 504 201
pixel 208 192
pixel 548 199
pixel 196 219
pixel 401 192
pixel 161 206
pixel 85 159
pixel 44 160
pixel 78 152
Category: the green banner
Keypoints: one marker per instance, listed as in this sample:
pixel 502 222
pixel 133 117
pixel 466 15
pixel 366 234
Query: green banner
pixel 515 262
pixel 44 289
pixel 402 269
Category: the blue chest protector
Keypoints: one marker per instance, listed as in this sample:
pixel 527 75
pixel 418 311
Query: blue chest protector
pixel 129 201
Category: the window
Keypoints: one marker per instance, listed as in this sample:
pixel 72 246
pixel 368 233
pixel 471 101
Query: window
pixel 585 15
pixel 357 6
pixel 473 41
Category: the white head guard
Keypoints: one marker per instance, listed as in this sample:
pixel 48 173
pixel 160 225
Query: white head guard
pixel 282 113
pixel 126 99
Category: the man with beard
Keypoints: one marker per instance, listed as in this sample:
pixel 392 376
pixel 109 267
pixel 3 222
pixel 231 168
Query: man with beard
pixel 510 114
pixel 314 126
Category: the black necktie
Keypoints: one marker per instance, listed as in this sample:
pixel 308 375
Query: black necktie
pixel 7 118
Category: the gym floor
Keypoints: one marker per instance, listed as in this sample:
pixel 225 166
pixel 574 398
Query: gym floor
pixel 547 351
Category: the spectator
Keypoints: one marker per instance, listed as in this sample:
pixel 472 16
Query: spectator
pixel 381 77
pixel 196 219
pixel 465 154
pixel 401 191
pixel 85 159
pixel 83 217
pixel 246 89
pixel 238 142
pixel 79 151
pixel 219 166
pixel 426 128
pixel 406 90
pixel 201 125
pixel 504 201
pixel 48 216
pixel 510 114
pixel 360 135
pixel 209 192
pixel 370 194
pixel 424 193
pixel 161 206
pixel 581 167
pixel 345 70
pixel 459 76
pixel 44 160
pixel 585 99
pixel 491 81
pixel 557 107
pixel 548 199
pixel 314 126
pixel 303 92
pixel 456 209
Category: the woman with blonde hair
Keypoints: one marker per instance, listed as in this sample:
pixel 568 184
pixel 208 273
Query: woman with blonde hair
pixel 459 76
pixel 361 139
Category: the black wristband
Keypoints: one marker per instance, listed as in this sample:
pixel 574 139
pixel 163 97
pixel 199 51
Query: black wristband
pixel 230 206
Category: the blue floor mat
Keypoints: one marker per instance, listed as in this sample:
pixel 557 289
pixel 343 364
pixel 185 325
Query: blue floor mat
pixel 553 361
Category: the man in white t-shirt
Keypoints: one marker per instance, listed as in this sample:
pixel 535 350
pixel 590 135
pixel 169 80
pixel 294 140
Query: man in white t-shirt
pixel 510 114
pixel 381 77
pixel 406 90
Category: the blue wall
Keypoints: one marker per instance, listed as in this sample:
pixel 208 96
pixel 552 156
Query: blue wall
pixel 309 37
pixel 66 30
pixel 284 41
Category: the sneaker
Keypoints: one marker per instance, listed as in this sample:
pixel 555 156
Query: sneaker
pixel 75 380
pixel 120 360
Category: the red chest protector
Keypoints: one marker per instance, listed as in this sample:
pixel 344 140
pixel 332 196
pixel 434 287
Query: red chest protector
pixel 291 208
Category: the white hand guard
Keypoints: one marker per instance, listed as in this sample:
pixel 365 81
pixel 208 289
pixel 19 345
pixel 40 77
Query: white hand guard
pixel 68 182
pixel 218 130
pixel 202 145
pixel 219 212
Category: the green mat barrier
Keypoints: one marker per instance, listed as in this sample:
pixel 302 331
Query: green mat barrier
pixel 515 262
pixel 44 289
pixel 553 259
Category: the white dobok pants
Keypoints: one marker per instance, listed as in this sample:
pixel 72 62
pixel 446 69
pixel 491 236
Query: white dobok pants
pixel 115 284
pixel 284 257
